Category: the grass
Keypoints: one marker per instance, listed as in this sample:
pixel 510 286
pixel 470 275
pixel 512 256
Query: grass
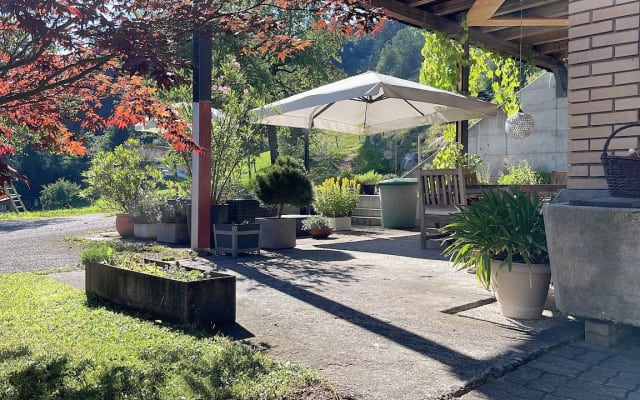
pixel 53 345
pixel 5 216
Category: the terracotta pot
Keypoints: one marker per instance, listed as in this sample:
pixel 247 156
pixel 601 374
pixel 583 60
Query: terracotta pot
pixel 124 225
pixel 320 233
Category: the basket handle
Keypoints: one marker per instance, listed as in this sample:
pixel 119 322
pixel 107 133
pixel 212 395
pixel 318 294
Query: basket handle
pixel 606 144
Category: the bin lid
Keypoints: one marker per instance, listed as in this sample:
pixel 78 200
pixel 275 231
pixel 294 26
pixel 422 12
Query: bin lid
pixel 399 181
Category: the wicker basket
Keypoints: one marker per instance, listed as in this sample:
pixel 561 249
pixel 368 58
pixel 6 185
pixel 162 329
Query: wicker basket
pixel 621 172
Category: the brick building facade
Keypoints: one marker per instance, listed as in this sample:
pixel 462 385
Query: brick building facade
pixel 603 85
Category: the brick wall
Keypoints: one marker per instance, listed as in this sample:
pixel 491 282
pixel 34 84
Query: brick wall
pixel 604 84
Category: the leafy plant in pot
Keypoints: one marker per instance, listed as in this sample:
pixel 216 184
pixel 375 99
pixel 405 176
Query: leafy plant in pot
pixel 121 178
pixel 145 216
pixel 284 182
pixel 502 236
pixel 368 181
pixel 336 199
pixel 318 226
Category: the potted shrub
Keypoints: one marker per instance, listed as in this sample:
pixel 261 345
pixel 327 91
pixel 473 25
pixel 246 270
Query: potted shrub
pixel 145 215
pixel 336 199
pixel 502 236
pixel 121 178
pixel 368 181
pixel 165 290
pixel 173 227
pixel 284 182
pixel 317 226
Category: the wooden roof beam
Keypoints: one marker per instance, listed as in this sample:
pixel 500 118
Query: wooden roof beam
pixel 414 16
pixel 482 13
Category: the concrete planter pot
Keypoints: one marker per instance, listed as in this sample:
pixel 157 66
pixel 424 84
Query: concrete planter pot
pixel 145 231
pixel 235 239
pixel 594 256
pixel 521 293
pixel 174 233
pixel 277 233
pixel 203 302
pixel 340 223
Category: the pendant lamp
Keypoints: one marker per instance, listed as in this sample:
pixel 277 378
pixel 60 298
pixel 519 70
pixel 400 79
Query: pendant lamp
pixel 519 125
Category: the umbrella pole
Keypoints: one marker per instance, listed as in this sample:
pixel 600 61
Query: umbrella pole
pixel 306 150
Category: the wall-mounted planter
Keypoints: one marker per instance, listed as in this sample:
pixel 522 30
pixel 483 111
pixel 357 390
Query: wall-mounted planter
pixel 204 302
pixel 235 239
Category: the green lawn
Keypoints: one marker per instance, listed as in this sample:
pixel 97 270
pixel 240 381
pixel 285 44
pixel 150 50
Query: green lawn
pixel 53 345
pixel 10 215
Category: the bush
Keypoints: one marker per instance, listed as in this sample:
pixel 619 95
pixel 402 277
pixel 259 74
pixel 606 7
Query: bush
pixel 522 174
pixel 284 182
pixel 368 178
pixel 61 194
pixel 121 177
pixel 336 198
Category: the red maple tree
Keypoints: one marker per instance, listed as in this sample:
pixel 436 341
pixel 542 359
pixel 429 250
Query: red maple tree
pixel 61 59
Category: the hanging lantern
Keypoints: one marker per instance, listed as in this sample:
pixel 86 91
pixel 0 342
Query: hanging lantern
pixel 519 125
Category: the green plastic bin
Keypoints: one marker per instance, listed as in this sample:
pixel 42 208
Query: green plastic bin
pixel 398 202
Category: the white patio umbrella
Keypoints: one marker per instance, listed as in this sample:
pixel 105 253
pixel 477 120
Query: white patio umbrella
pixel 370 103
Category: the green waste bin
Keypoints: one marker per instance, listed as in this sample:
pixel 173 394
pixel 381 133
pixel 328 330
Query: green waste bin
pixel 398 202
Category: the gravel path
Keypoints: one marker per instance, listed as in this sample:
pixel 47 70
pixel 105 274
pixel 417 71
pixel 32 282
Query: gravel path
pixel 32 245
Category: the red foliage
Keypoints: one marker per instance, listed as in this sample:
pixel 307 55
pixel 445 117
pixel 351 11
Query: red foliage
pixel 60 59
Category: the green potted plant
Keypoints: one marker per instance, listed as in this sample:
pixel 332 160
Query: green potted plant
pixel 368 181
pixel 336 199
pixel 121 178
pixel 145 215
pixel 317 226
pixel 173 227
pixel 284 182
pixel 502 236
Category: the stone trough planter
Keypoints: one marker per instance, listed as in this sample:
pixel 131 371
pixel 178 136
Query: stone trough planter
pixel 204 302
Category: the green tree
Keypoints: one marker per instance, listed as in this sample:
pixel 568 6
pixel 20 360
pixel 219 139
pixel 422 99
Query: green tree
pixel 402 55
pixel 284 182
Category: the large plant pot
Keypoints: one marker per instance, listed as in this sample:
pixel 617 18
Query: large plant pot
pixel 340 223
pixel 521 293
pixel 277 233
pixel 174 233
pixel 320 233
pixel 145 231
pixel 219 215
pixel 124 225
pixel 204 302
pixel 234 238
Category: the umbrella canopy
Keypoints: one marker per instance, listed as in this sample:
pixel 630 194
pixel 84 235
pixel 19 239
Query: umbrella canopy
pixel 370 103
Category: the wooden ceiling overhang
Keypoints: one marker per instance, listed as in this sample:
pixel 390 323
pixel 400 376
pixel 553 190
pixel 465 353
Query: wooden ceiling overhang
pixel 538 26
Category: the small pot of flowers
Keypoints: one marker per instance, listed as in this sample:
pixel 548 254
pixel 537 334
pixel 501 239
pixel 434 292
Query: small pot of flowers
pixel 317 226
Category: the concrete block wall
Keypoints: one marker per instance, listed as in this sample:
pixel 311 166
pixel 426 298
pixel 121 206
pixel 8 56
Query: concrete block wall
pixel 545 149
pixel 604 84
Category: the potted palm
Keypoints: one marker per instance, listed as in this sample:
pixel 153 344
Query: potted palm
pixel 502 236
pixel 317 226
pixel 336 199
pixel 284 182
